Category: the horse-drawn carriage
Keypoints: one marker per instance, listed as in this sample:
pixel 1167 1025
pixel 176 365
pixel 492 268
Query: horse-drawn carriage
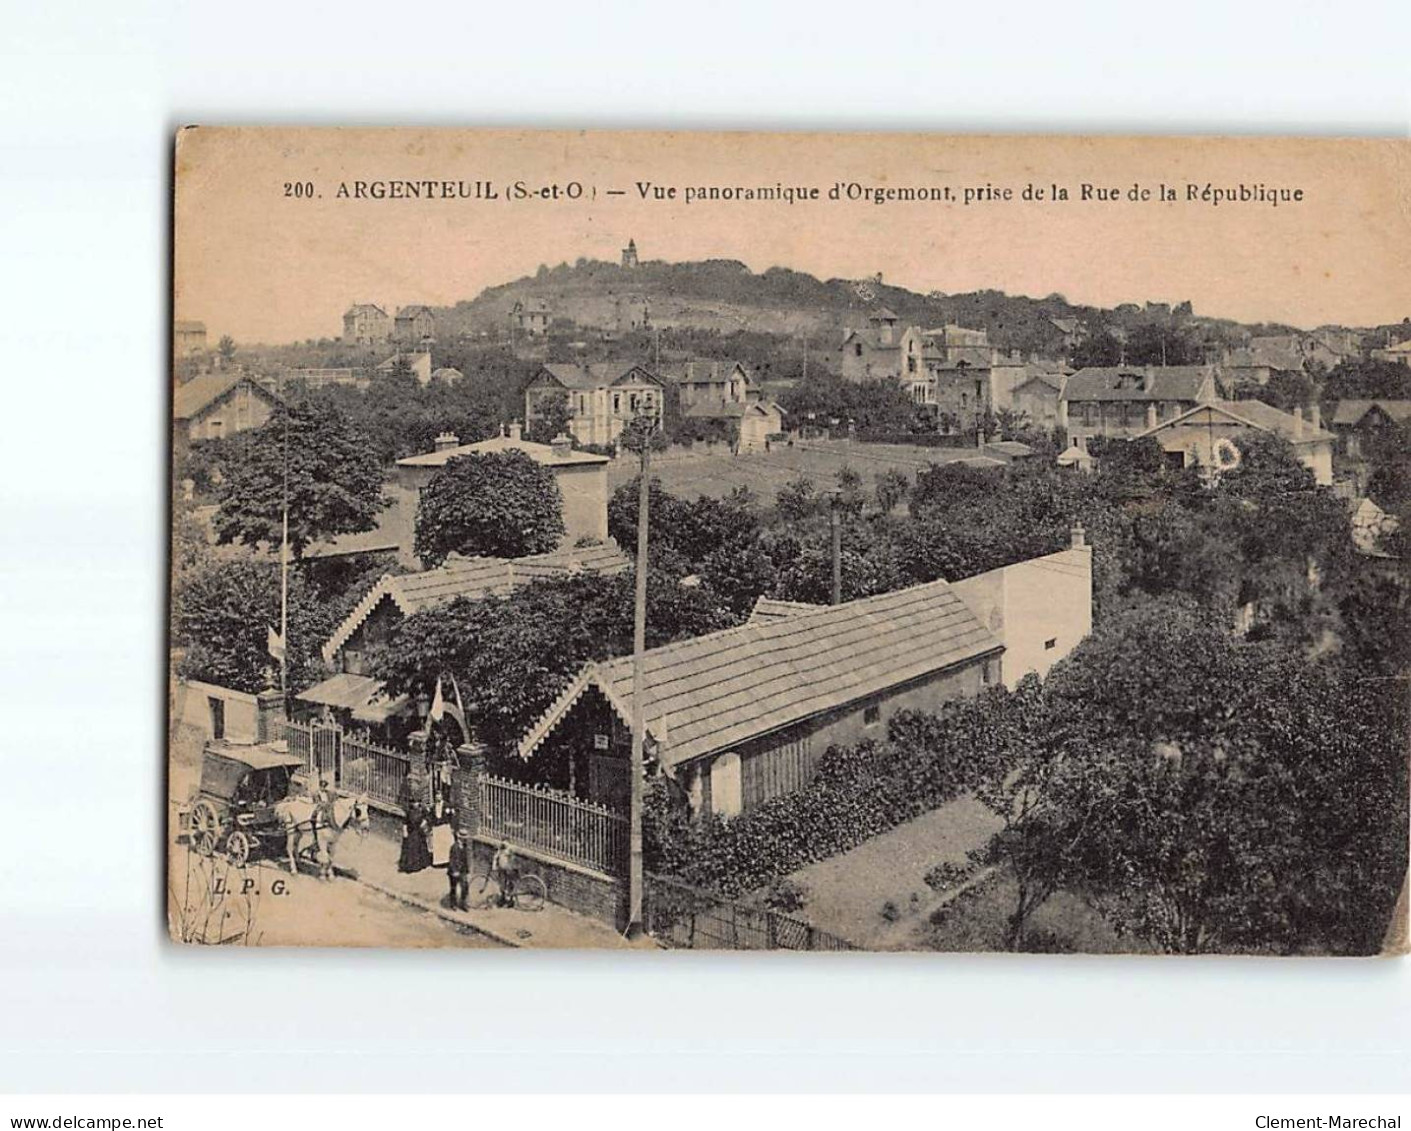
pixel 237 807
pixel 248 798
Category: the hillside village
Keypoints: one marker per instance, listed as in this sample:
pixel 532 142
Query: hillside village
pixel 926 576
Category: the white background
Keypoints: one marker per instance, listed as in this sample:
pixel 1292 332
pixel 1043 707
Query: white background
pixel 91 996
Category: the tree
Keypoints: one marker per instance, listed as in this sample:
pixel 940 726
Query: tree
pixel 334 480
pixel 552 418
pixel 1037 840
pixel 222 612
pixel 500 504
pixel 511 656
pixel 226 348
pixel 893 486
pixel 1098 349
pixel 797 499
pixel 1227 795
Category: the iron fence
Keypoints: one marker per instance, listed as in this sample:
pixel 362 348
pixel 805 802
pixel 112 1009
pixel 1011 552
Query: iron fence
pixel 679 915
pixel 351 761
pixel 557 824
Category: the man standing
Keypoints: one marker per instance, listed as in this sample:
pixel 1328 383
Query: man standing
pixel 506 872
pixel 458 871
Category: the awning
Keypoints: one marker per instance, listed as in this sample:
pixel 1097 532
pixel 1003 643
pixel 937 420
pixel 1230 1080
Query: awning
pixel 361 694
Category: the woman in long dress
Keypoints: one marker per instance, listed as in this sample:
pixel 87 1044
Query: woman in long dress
pixel 416 849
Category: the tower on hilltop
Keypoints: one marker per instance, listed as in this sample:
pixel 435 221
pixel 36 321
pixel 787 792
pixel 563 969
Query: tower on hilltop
pixel 629 254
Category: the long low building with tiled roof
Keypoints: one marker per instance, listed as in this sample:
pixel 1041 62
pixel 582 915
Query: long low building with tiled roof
pixel 401 595
pixel 742 715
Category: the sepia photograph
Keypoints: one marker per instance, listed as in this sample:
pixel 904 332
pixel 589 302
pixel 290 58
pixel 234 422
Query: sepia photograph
pixel 808 542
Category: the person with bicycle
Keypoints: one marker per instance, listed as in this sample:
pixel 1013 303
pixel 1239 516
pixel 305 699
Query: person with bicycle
pixel 505 870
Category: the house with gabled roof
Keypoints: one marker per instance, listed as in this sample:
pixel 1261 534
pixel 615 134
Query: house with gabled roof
pixel 603 397
pixel 873 352
pixel 1356 422
pixel 531 317
pixel 414 325
pixel 739 716
pixel 1398 354
pixel 396 596
pixel 1120 401
pixel 1192 438
pixel 219 404
pixel 366 324
pixel 1037 397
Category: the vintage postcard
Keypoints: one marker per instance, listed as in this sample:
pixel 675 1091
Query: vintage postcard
pixel 1022 564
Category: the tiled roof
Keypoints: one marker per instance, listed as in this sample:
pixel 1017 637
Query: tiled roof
pixel 1255 414
pixel 371 308
pixel 1272 353
pixel 474 579
pixel 189 327
pixel 1054 381
pixel 200 393
pixel 1167 383
pixel 768 609
pixel 1351 412
pixel 701 369
pixel 719 690
pixel 598 375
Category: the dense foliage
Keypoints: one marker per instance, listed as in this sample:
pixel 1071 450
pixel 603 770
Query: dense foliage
pixel 222 612
pixel 512 655
pixel 495 504
pixel 310 455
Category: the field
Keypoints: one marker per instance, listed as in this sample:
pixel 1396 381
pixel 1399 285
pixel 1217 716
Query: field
pixel 712 470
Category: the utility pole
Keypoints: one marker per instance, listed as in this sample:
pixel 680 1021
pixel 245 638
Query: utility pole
pixel 836 522
pixel 637 765
pixel 284 572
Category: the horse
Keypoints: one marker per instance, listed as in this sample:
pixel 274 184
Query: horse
pixel 308 825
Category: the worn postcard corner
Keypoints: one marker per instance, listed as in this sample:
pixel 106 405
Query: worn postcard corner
pixel 866 542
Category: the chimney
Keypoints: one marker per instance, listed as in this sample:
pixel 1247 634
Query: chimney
pixel 446 441
pixel 516 430
pixel 1298 423
pixel 1315 416
pixel 1078 537
pixel 562 445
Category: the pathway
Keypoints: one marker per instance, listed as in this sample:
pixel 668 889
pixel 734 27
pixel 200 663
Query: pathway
pixel 847 893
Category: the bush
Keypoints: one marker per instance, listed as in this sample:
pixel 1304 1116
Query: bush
pixel 857 792
pixel 786 895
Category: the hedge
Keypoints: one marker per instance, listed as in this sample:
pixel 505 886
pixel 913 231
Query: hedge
pixel 858 792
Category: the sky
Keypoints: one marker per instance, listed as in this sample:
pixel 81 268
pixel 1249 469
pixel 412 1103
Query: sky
pixel 260 259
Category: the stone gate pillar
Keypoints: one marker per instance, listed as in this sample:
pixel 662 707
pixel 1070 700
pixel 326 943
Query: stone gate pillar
pixel 470 767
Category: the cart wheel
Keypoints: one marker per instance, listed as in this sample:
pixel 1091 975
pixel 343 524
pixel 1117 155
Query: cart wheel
pixel 530 893
pixel 205 828
pixel 237 849
pixel 483 890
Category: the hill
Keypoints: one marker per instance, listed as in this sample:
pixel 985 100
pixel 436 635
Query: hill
pixel 725 295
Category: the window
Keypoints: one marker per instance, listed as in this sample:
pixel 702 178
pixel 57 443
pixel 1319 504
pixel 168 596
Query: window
pixel 1050 644
pixel 989 672
pixel 617 403
pixel 857 350
pixel 911 365
pixel 871 716
pixel 217 707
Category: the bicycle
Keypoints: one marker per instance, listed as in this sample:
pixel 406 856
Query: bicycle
pixel 530 891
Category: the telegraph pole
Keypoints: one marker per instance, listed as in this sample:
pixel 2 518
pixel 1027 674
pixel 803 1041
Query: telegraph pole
pixel 284 572
pixel 637 765
pixel 835 521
